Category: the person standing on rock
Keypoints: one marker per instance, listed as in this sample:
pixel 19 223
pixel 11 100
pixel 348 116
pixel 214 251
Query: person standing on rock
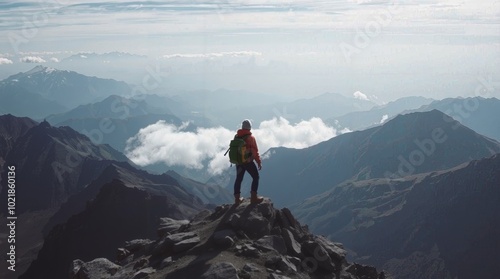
pixel 248 166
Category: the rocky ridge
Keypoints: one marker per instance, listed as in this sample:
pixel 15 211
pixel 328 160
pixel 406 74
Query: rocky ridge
pixel 245 241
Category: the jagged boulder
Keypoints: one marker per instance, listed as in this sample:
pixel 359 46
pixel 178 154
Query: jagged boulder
pixel 271 242
pixel 176 243
pixel 97 268
pixel 223 270
pixel 255 221
pixel 168 225
pixel 224 238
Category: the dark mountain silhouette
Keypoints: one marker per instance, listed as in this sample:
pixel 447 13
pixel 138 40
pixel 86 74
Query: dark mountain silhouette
pixel 50 162
pixel 130 206
pixel 406 145
pixel 435 225
pixel 67 88
pixel 19 101
pixel 478 113
pixel 11 129
pixel 360 120
pixel 248 241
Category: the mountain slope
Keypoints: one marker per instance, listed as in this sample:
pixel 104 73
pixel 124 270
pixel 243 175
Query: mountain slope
pixel 11 129
pixel 112 107
pixel 50 161
pixel 408 144
pixel 128 207
pixel 435 225
pixel 19 101
pixel 66 88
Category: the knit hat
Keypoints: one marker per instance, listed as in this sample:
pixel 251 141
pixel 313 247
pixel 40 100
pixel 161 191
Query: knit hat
pixel 246 124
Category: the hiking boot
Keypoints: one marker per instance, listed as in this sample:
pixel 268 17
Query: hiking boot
pixel 237 199
pixel 254 199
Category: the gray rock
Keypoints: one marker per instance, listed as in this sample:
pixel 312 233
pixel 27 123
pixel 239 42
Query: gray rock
pixel 186 244
pixel 143 273
pixel 286 266
pixel 97 268
pixel 255 221
pixel 296 261
pixel 280 263
pixel 271 242
pixel 167 243
pixel 75 266
pixel 278 276
pixel 141 263
pixel 224 238
pixel 137 244
pixel 121 254
pixel 316 251
pixel 223 270
pixel 292 245
pixel 168 225
pixel 166 262
pixel 250 268
pixel 249 251
pixel 336 251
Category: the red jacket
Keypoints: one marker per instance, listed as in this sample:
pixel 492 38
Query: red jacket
pixel 251 145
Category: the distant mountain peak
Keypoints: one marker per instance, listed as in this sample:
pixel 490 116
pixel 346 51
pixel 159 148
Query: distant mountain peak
pixel 40 69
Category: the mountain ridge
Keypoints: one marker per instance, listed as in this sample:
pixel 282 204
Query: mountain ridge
pixel 442 224
pixel 405 145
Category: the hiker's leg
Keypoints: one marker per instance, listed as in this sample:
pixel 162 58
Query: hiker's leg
pixel 240 172
pixel 252 170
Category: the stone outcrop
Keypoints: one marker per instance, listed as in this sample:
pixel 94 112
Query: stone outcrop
pixel 245 241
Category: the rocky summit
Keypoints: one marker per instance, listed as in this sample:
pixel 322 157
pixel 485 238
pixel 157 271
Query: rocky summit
pixel 245 241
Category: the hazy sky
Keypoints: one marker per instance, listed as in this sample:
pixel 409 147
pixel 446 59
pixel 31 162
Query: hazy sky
pixel 382 48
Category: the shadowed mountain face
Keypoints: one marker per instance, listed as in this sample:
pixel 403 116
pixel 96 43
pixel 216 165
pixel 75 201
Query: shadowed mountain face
pixel 11 129
pixel 19 101
pixel 49 163
pixel 120 211
pixel 436 225
pixel 408 144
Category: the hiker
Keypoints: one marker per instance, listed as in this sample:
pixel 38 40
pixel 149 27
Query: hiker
pixel 248 165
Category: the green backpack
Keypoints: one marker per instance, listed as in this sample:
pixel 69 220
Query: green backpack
pixel 238 151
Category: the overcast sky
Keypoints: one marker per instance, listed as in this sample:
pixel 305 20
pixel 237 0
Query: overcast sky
pixel 382 48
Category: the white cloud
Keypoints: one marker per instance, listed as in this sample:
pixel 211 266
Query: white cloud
pixel 32 59
pixel 384 118
pixel 55 60
pixel 205 147
pixel 5 61
pixel 213 54
pixel 360 96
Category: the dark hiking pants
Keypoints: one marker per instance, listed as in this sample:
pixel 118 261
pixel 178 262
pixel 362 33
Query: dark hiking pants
pixel 240 172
